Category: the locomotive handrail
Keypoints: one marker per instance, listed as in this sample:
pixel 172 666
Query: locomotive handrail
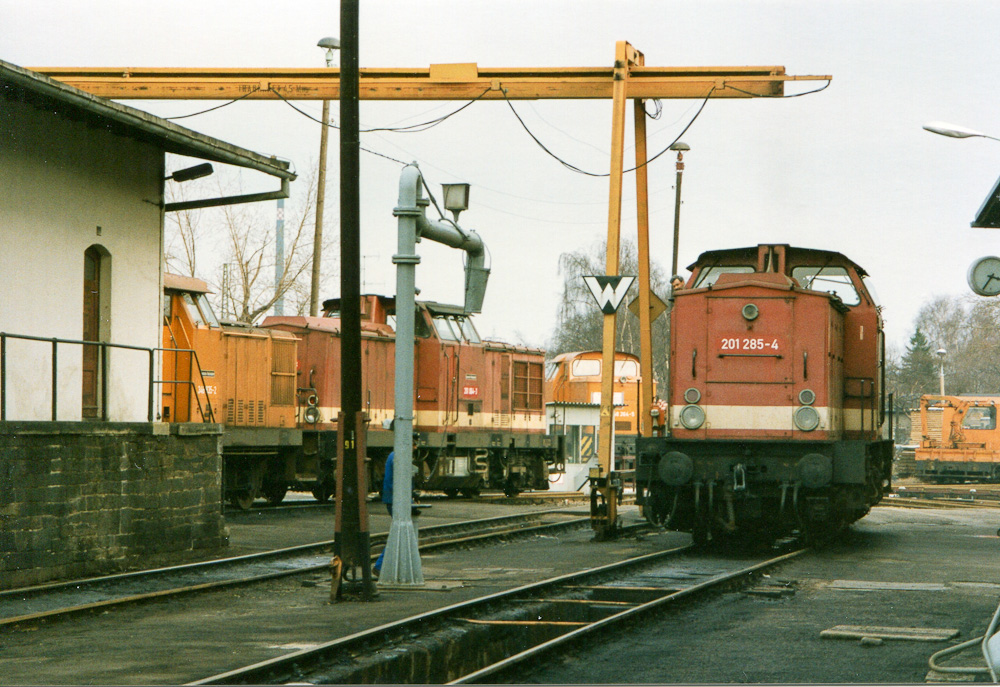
pixel 197 363
pixel 55 341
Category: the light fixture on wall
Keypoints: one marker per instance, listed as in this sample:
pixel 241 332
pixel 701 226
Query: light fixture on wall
pixel 190 173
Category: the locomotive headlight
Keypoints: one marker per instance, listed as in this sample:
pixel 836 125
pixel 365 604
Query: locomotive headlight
pixel 311 415
pixel 692 395
pixel 807 397
pixel 750 312
pixel 806 418
pixel 692 416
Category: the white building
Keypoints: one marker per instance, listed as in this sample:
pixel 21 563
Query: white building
pixel 81 220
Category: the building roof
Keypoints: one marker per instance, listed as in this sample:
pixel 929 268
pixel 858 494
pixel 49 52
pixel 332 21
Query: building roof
pixel 31 88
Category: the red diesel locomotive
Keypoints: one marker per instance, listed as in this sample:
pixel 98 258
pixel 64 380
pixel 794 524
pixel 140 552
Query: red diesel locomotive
pixel 777 399
pixel 479 405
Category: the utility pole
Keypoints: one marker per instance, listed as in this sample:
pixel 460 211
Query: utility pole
pixel 330 44
pixel 351 540
pixel 279 258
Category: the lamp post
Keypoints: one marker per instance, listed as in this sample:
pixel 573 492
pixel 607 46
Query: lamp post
pixel 329 44
pixel 941 353
pixel 680 147
pixel 955 131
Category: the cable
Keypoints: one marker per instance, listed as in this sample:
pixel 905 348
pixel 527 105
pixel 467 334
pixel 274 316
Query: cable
pixel 793 95
pixel 574 168
pixel 194 114
pixel 409 129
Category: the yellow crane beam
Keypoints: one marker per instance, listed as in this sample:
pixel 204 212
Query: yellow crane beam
pixel 438 82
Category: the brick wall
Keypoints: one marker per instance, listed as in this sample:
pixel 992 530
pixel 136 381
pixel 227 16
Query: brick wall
pixel 80 499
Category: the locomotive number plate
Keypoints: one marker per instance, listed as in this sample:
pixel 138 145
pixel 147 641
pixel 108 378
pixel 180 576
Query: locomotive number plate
pixel 742 345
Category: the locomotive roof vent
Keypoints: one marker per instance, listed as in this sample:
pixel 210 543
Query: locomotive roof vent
pixel 750 312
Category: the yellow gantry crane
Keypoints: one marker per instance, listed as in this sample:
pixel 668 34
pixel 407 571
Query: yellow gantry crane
pixel 628 79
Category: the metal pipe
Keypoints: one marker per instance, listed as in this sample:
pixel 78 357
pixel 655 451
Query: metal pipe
pixel 3 377
pixel 401 563
pixel 55 369
pixel 229 200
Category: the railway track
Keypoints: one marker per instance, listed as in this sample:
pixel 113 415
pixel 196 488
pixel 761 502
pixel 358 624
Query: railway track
pixel 491 638
pixel 944 496
pixel 29 604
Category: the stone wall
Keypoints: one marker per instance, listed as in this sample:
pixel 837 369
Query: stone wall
pixel 79 499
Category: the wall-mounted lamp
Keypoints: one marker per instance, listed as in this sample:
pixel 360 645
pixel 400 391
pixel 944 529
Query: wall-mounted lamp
pixel 190 173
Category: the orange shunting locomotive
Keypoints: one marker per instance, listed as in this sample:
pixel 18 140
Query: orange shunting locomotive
pixel 777 407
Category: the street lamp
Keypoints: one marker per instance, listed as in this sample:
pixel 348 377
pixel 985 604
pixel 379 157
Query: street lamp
pixel 680 147
pixel 955 131
pixel 329 44
pixel 941 353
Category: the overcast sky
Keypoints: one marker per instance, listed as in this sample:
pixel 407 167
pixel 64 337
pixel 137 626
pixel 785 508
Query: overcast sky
pixel 847 169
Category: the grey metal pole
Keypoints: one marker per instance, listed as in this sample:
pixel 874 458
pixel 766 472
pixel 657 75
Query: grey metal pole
pixel 677 211
pixel 401 564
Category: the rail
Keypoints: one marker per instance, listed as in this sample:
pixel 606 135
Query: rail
pixel 103 347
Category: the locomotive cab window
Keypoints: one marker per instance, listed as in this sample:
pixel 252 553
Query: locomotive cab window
pixel 980 418
pixel 206 310
pixel 626 368
pixel 446 329
pixel 469 331
pixel 709 275
pixel 835 280
pixel 586 368
pixel 193 309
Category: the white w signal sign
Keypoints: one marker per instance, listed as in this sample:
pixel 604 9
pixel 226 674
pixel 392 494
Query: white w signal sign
pixel 609 291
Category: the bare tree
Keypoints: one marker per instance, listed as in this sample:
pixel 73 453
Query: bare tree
pixel 241 240
pixel 580 323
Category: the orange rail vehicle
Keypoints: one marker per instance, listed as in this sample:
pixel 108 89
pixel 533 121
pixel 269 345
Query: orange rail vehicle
pixel 480 405
pixel 777 399
pixel 967 448
pixel 242 377
pixel 575 378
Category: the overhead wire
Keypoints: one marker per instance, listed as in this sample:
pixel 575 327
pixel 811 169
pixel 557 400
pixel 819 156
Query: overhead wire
pixel 574 168
pixel 217 107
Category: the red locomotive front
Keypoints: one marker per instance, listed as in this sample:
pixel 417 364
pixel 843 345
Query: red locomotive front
pixel 776 397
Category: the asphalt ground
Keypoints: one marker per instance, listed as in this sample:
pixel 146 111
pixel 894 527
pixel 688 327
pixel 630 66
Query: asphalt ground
pixel 897 567
pixel 894 568
pixel 186 638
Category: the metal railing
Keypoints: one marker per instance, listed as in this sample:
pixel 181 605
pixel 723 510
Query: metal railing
pixel 103 348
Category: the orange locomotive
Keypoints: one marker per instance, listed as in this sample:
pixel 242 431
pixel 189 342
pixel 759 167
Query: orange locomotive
pixel 576 378
pixel 479 404
pixel 242 377
pixel 777 398
pixel 967 445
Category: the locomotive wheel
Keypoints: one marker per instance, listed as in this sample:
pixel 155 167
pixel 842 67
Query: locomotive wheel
pixel 242 499
pixel 274 493
pixel 322 493
pixel 451 493
pixel 510 491
pixel 470 493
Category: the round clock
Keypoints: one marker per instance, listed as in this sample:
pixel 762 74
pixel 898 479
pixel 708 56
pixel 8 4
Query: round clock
pixel 984 276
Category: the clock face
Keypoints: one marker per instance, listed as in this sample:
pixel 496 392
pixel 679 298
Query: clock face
pixel 984 276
